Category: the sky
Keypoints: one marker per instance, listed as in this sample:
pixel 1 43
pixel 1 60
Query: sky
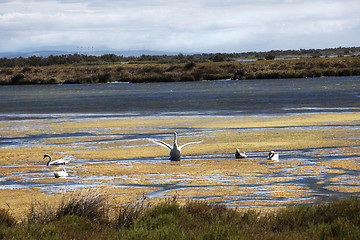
pixel 179 25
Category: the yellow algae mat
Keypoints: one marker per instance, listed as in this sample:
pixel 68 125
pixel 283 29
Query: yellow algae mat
pixel 319 157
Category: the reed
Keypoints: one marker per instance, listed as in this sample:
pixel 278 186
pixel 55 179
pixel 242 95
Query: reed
pixel 6 218
pixel 77 218
pixel 130 212
pixel 88 204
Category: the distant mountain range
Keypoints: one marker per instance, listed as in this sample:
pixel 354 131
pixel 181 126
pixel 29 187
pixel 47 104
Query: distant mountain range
pixel 46 53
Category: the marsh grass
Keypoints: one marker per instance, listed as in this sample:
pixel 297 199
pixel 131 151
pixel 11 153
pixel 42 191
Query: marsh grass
pixel 88 204
pixel 130 212
pixel 78 217
pixel 6 218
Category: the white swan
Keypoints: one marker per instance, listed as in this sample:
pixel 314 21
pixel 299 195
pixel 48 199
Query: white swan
pixel 56 162
pixel 239 154
pixel 175 150
pixel 61 173
pixel 273 156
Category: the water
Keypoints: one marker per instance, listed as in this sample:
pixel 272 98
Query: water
pixel 225 98
pixel 188 99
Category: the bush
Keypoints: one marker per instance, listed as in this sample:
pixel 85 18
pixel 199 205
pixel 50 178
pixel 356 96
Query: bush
pixel 304 216
pixel 218 57
pixel 205 212
pixel 104 78
pixel 270 56
pixel 189 66
pixel 18 78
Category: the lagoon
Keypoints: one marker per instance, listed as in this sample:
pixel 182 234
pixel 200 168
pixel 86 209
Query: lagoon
pixel 103 129
pixel 224 98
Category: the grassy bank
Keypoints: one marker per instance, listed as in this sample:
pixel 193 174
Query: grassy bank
pixel 175 72
pixel 89 215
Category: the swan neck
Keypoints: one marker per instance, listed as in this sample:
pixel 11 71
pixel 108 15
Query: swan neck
pixel 175 140
pixel 48 163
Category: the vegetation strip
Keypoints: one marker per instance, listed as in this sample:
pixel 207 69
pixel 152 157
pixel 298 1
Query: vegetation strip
pixel 91 215
pixel 67 69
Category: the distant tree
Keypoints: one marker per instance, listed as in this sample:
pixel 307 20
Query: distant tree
pixel 270 56
pixel 181 57
pixel 218 57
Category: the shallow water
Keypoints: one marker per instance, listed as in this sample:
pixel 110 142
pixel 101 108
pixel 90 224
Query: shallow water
pixel 286 177
pixel 301 175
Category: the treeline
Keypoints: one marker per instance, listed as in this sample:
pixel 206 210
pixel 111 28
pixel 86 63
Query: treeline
pixel 80 59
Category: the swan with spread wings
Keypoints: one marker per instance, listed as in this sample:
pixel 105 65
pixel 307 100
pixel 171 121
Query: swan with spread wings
pixel 175 150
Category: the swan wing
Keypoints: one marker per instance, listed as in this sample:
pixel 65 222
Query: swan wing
pixel 59 162
pixel 190 143
pixel 161 143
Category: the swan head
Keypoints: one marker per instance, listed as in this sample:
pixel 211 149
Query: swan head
pixel 47 155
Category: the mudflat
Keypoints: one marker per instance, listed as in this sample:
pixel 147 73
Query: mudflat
pixel 319 158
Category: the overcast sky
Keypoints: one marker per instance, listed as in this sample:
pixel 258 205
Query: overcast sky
pixel 180 25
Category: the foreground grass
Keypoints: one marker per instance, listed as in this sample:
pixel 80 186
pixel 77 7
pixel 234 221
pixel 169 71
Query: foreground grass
pixel 90 215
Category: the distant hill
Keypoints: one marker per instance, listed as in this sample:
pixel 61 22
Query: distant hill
pixel 69 50
pixel 46 53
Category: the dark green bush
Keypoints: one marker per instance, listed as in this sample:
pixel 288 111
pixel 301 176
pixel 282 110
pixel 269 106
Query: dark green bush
pixel 18 78
pixel 104 78
pixel 270 56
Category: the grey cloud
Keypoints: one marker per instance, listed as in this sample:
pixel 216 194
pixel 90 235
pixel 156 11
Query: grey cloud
pixel 203 25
